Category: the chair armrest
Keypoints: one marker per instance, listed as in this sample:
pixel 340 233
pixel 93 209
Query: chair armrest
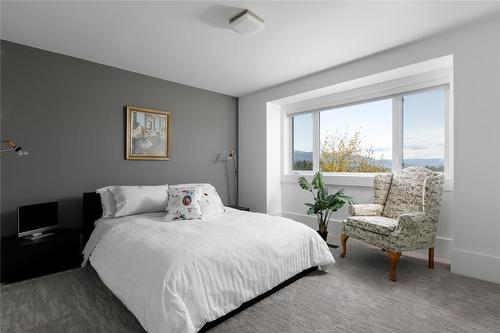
pixel 365 209
pixel 411 221
pixel 412 231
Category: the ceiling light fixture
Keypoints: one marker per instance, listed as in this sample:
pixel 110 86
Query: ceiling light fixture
pixel 246 23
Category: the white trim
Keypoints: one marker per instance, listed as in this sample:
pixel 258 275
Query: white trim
pixel 273 156
pixel 373 92
pixel 287 144
pixel 334 227
pixel 442 251
pixel 449 136
pixel 341 179
pixel 397 133
pixel 347 179
pixel 274 213
pixel 478 265
pixel 405 71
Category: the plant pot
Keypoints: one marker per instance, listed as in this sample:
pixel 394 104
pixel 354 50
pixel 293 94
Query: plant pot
pixel 323 234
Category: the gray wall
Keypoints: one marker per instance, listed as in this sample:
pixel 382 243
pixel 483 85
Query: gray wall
pixel 68 113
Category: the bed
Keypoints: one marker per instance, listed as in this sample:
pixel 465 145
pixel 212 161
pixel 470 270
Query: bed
pixel 185 276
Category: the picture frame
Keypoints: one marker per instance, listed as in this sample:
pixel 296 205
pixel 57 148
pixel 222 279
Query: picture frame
pixel 148 134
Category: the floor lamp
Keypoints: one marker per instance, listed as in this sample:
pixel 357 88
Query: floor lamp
pixel 231 157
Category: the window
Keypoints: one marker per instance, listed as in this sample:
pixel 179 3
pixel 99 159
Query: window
pixel 357 138
pixel 303 142
pixel 373 136
pixel 423 129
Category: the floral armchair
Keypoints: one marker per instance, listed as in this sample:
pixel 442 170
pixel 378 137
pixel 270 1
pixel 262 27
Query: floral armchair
pixel 403 217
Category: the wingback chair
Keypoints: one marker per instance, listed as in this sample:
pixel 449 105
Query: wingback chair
pixel 403 217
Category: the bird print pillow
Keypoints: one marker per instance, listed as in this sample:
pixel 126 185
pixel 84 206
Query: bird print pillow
pixel 183 203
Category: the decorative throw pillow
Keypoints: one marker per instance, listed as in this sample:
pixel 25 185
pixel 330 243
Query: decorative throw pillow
pixel 210 202
pixel 132 200
pixel 183 203
pixel 107 201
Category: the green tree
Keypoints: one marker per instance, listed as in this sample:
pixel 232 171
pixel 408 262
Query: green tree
pixel 343 153
pixel 302 165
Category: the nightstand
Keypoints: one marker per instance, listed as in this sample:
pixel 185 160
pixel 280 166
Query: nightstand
pixel 246 209
pixel 22 258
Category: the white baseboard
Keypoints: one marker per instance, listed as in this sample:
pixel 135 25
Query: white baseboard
pixel 334 227
pixel 478 265
pixel 442 250
pixel 274 213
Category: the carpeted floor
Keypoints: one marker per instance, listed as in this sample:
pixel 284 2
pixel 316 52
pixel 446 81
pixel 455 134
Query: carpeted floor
pixel 355 296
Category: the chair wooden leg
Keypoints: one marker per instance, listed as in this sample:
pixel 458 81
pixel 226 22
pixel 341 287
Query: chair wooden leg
pixel 394 257
pixel 431 257
pixel 343 240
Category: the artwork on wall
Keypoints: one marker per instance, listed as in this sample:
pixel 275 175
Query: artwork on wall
pixel 147 134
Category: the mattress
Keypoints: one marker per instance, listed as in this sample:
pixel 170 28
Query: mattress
pixel 177 276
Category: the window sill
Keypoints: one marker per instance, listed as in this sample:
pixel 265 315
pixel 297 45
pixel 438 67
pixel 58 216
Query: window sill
pixel 349 179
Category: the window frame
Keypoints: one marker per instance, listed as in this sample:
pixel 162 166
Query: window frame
pixel 292 140
pixel 384 90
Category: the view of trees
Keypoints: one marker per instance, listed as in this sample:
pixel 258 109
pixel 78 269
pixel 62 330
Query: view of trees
pixel 303 165
pixel 342 152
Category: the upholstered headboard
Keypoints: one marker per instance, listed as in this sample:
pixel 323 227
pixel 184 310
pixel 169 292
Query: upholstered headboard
pixel 92 211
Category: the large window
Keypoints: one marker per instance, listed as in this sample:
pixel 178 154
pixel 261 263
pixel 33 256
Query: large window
pixel 357 138
pixel 373 136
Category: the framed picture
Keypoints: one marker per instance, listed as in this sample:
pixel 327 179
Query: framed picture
pixel 148 134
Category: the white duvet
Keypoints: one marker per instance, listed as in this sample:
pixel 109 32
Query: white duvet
pixel 177 276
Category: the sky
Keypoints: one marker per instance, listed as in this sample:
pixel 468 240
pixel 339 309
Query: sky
pixel 423 120
pixel 423 130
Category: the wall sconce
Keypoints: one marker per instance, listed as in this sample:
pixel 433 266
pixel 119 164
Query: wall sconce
pixel 13 147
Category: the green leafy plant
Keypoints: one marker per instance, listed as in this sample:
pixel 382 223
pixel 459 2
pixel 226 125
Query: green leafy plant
pixel 324 204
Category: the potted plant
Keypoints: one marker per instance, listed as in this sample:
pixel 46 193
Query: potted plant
pixel 324 204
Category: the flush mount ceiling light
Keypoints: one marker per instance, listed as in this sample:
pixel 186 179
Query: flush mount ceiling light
pixel 246 23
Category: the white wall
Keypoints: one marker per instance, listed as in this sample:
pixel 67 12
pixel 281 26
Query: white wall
pixel 470 216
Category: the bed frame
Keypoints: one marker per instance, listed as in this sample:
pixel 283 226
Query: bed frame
pixel 92 210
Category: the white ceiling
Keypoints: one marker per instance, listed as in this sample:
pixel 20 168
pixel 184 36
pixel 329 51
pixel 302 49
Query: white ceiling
pixel 190 42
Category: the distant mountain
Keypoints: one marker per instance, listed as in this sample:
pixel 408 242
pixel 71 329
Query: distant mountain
pixel 433 163
pixel 299 155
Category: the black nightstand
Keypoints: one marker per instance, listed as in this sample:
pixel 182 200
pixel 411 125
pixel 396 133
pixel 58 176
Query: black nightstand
pixel 23 258
pixel 246 209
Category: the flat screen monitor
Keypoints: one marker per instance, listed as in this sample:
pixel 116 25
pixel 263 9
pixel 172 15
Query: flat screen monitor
pixel 35 219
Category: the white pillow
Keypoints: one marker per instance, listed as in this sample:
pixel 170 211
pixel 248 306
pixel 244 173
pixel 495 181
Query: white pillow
pixel 107 201
pixel 210 202
pixel 139 199
pixel 183 203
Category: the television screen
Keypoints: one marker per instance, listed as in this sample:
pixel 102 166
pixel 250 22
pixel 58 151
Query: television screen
pixel 36 218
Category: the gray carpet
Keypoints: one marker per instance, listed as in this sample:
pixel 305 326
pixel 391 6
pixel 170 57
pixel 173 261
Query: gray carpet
pixel 355 296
